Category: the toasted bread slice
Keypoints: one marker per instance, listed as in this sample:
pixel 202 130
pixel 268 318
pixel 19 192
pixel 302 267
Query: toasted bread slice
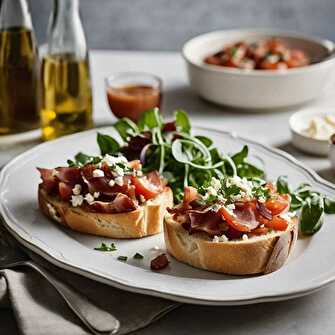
pixel 145 220
pixel 259 254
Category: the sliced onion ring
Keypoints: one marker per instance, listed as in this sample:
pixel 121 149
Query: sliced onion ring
pixel 264 211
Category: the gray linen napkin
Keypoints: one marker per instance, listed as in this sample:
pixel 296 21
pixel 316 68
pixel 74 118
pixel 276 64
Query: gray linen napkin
pixel 39 310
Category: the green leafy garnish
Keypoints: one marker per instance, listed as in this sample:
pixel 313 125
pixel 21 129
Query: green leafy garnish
pixel 182 121
pixel 107 144
pixel 312 213
pixel 122 258
pixel 138 256
pixel 282 185
pixel 106 248
pixel 245 169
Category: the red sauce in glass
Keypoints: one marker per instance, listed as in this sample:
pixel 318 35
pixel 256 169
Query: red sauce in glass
pixel 132 100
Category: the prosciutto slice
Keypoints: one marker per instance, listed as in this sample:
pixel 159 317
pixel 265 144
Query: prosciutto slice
pixel 206 221
pixel 121 204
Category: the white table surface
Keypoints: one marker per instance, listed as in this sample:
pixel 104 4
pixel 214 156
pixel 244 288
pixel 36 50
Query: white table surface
pixel 314 314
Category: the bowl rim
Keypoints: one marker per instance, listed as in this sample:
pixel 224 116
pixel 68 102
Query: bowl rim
pixel 326 43
pixel 305 137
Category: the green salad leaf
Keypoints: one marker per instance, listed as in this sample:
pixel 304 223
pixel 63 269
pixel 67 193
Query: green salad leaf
pixel 107 144
pixel 312 215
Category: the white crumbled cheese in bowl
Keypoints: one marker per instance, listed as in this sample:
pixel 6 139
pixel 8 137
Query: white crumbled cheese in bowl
pixel 98 173
pixel 320 127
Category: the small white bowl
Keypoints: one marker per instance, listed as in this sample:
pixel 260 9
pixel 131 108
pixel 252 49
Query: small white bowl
pixel 258 89
pixel 300 121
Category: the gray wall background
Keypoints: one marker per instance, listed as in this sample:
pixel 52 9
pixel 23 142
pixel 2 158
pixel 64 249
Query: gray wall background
pixel 166 25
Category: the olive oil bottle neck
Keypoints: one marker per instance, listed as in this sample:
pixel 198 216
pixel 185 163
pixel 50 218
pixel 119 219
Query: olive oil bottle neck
pixel 15 14
pixel 66 34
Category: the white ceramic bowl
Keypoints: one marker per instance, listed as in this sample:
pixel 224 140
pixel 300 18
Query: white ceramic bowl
pixel 300 121
pixel 258 89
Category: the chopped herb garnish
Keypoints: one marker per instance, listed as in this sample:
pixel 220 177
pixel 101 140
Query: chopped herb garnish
pixel 122 258
pixel 138 256
pixel 105 247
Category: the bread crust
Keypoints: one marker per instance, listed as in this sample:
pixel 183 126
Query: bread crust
pixel 256 255
pixel 144 221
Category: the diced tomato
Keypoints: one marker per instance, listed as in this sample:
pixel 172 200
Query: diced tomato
pixel 213 60
pixel 190 194
pixel 144 187
pixel 65 191
pixel 277 223
pixel 279 204
pixel 260 231
pixel 135 164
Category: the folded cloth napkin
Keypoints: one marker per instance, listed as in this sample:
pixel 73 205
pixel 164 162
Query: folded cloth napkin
pixel 39 309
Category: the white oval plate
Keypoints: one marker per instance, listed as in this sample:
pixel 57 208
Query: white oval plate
pixel 309 268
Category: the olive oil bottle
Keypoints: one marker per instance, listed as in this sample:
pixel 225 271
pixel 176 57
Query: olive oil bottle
pixel 65 75
pixel 19 69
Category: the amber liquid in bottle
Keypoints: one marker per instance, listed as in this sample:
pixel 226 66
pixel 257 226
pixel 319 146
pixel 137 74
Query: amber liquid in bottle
pixel 19 98
pixel 67 96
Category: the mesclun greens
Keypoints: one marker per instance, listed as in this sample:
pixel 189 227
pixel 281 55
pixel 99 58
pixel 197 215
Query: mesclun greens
pixel 184 159
pixel 106 248
pixel 313 205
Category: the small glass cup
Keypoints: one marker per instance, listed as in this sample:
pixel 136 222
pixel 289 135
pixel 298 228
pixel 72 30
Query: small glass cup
pixel 129 94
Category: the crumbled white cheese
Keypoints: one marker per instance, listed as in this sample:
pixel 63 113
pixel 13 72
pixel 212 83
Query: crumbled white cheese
pixel 119 181
pixel 55 173
pixel 261 199
pixel 262 226
pixel 230 207
pixel 77 189
pixel 89 198
pixel 142 199
pixel 53 213
pixel 111 183
pixel 98 173
pixel 139 173
pixel 244 184
pixel 96 194
pixel 119 171
pixel 222 238
pixel 113 160
pixel 216 184
pixel 77 200
pixel 245 237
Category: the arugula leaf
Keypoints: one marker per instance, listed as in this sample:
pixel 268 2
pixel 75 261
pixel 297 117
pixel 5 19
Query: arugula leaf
pixel 282 185
pixel 82 158
pixel 107 144
pixel 125 127
pixel 329 205
pixel 240 157
pixel 312 214
pixel 150 119
pixel 205 140
pixel 245 169
pixel 104 247
pixel 182 121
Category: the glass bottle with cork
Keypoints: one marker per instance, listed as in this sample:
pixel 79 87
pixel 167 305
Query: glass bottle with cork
pixel 65 75
pixel 19 69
